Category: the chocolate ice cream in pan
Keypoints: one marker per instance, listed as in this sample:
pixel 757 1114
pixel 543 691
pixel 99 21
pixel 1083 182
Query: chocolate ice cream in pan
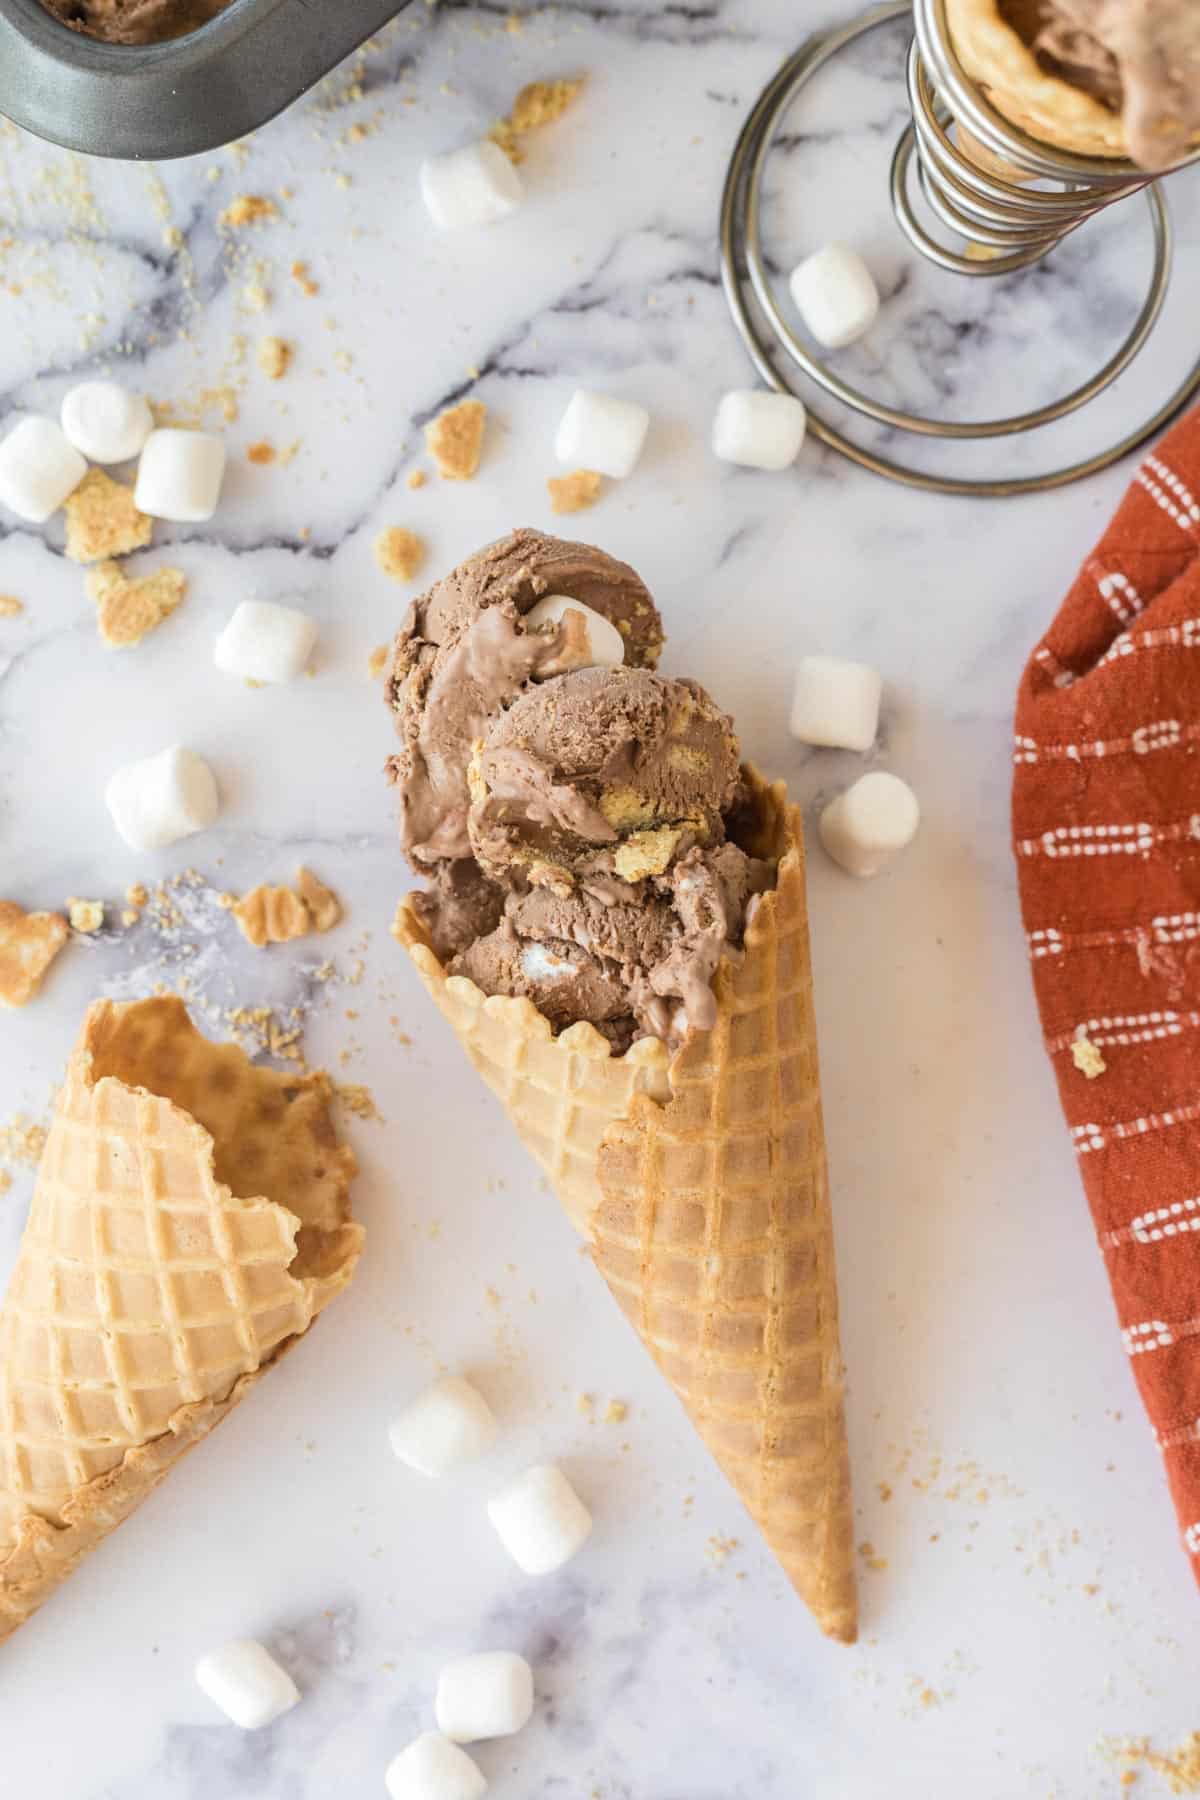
pixel 614 922
pixel 163 78
pixel 1104 78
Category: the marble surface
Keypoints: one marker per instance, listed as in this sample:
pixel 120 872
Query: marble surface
pixel 1024 1597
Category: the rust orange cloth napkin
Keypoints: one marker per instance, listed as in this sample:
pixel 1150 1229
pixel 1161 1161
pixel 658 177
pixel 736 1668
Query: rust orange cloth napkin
pixel 1106 816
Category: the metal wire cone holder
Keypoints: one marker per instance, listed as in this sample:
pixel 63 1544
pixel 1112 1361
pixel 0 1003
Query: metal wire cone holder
pixel 1006 225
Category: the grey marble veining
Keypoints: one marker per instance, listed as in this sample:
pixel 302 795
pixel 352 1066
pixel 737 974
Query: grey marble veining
pixel 1023 1594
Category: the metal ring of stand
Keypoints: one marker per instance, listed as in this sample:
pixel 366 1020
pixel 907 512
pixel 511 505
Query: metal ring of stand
pixel 1015 225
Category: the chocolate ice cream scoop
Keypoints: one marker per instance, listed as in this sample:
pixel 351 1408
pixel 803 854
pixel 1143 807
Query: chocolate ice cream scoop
pixel 603 776
pixel 463 655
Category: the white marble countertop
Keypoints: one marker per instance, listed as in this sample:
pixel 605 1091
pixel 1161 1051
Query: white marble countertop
pixel 1024 1597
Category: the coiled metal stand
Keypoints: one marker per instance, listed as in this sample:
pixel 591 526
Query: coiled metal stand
pixel 1007 223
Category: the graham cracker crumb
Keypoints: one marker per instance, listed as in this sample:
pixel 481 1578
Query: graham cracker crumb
pixel 1087 1058
pixel 271 915
pixel 10 606
pixel 575 492
pixel 5 1182
pixel 538 104
pixel 615 1412
pixel 137 894
pixel 22 1142
pixel 1179 1768
pixel 255 296
pixel 248 209
pixel 103 521
pixel 875 1563
pixel 357 1099
pixel 274 356
pixel 321 901
pixel 261 453
pixel 399 553
pixel 416 478
pixel 884 1489
pixel 303 280
pixel 85 915
pixel 377 661
pixel 29 943
pixel 586 1404
pixel 720 1549
pixel 455 440
pixel 127 610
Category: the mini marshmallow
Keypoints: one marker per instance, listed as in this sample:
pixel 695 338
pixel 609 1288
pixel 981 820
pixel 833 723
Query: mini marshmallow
pixel 540 1519
pixel 759 430
pixel 105 422
pixel 605 647
pixel 837 298
pixel 39 469
pixel 162 798
pixel 473 186
pixel 836 703
pixel 246 1682
pixel 484 1696
pixel 868 825
pixel 451 1423
pixel 265 641
pixel 432 1768
pixel 600 432
pixel 179 476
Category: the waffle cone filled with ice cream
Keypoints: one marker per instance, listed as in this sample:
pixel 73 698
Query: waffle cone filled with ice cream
pixel 1100 78
pixel 685 1141
pixel 190 1220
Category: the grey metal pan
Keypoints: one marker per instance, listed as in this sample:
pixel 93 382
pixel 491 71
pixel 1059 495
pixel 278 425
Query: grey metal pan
pixel 181 97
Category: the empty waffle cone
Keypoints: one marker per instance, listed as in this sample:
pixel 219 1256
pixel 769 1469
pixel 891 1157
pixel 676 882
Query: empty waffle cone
pixel 700 1183
pixel 156 1279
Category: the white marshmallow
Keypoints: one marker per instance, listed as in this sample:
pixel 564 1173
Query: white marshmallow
pixel 600 432
pixel 451 1423
pixel 605 647
pixel 540 963
pixel 868 825
pixel 759 430
pixel 836 703
pixel 473 186
pixel 162 798
pixel 179 476
pixel 432 1768
pixel 540 1519
pixel 246 1682
pixel 484 1696
pixel 837 298
pixel 105 422
pixel 39 469
pixel 265 641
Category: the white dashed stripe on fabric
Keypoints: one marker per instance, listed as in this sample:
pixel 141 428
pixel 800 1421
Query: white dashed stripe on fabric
pixel 1191 1538
pixel 1184 636
pixel 1110 840
pixel 1153 1335
pixel 1046 659
pixel 1177 487
pixel 1125 1029
pixel 1119 595
pixel 1161 497
pixel 1168 928
pixel 1156 1226
pixel 1090 1138
pixel 1162 734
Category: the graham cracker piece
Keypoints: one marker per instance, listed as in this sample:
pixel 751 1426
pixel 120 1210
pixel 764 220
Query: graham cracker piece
pixel 85 915
pixel 416 478
pixel 378 660
pixel 399 553
pixel 128 609
pixel 10 606
pixel 455 440
pixel 262 452
pixel 29 943
pixel 102 520
pixel 323 904
pixel 271 915
pixel 274 356
pixel 538 104
pixel 574 492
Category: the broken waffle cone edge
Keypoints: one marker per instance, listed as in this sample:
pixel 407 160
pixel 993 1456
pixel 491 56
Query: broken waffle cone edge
pixel 616 1135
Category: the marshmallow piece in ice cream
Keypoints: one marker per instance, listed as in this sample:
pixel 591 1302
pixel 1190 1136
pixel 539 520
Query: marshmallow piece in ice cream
pixel 162 798
pixel 246 1682
pixel 592 640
